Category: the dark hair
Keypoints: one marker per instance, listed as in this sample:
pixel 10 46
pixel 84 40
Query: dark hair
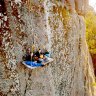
pixel 28 49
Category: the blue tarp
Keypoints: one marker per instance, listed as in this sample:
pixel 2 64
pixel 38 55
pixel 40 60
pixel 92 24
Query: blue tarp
pixel 48 55
pixel 33 64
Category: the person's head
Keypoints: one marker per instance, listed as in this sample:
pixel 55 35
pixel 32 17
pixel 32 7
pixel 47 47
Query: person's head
pixel 46 50
pixel 36 58
pixel 39 50
pixel 28 50
pixel 41 56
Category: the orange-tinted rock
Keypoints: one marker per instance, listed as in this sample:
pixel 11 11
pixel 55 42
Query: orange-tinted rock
pixel 54 26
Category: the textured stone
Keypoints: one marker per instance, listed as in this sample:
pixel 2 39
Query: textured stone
pixel 57 26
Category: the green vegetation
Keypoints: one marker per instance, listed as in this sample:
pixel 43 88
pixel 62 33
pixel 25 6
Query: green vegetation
pixel 90 20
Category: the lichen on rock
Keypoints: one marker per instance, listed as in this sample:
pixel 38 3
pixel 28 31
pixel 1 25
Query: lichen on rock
pixel 57 25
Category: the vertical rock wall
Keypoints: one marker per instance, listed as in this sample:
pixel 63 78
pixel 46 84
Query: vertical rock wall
pixel 55 25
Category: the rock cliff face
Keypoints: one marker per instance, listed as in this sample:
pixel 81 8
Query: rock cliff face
pixel 57 25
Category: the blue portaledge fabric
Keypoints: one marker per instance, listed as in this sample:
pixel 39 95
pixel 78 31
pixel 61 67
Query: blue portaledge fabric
pixel 33 64
pixel 48 55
